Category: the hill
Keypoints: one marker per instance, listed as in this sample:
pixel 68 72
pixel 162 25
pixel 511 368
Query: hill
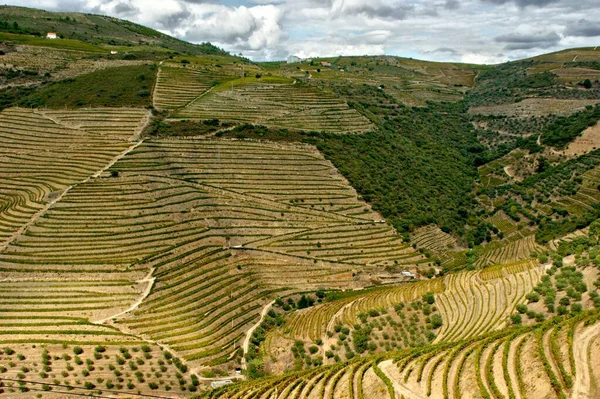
pixel 97 31
pixel 172 216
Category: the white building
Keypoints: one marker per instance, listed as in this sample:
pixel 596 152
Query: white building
pixel 292 59
pixel 51 35
pixel 408 274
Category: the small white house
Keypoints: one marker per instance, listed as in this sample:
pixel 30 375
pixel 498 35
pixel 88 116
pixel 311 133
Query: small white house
pixel 292 59
pixel 113 52
pixel 408 274
pixel 51 35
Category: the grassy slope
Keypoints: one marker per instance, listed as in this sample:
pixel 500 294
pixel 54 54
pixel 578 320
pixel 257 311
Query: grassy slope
pixel 99 30
pixel 112 87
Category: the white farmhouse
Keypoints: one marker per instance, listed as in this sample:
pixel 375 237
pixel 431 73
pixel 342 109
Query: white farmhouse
pixel 292 59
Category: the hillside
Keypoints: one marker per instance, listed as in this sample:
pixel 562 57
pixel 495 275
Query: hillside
pixel 99 31
pixel 172 216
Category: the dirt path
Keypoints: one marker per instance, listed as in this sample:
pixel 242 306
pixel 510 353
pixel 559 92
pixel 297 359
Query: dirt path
pixel 508 172
pixel 389 369
pixel 581 345
pixel 148 279
pixel 246 343
pixel 330 325
pixel 13 237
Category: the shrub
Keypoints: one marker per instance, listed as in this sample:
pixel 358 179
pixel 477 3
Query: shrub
pixel 436 321
pixel 516 319
pixel 77 350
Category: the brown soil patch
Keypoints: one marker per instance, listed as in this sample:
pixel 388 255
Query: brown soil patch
pixel 537 383
pixel 373 387
pixel 587 142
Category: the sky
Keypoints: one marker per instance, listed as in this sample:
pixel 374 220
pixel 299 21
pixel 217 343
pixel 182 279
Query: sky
pixel 472 31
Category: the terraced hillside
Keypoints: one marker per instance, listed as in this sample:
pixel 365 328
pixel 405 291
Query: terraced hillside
pixel 43 154
pixel 550 360
pixel 467 304
pixel 277 104
pixel 170 244
pixel 177 85
pixel 249 195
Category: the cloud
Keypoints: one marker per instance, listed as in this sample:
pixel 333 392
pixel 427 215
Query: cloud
pixel 241 28
pixel 526 41
pixel 452 5
pixel 446 50
pixel 125 8
pixel 371 8
pixel 376 36
pixel 486 30
pixel 583 28
pixel 523 3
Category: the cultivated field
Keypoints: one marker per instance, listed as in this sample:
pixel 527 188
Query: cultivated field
pixel 550 360
pixel 534 107
pixel 277 104
pixel 588 141
pixel 175 242
pixel 178 85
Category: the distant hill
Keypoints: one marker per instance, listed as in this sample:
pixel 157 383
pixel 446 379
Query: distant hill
pixel 97 30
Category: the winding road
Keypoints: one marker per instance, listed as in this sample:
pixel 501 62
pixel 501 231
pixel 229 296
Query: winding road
pixel 246 344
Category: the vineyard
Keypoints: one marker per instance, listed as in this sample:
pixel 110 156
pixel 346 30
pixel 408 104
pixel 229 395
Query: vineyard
pixel 177 242
pixel 177 221
pixel 451 309
pixel 277 104
pixel 176 86
pixel 550 360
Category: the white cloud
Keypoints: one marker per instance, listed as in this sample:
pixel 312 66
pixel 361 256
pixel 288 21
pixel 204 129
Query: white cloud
pixel 486 31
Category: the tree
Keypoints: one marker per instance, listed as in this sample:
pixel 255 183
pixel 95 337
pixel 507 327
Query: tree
pixel 516 319
pixel 303 302
pixel 360 338
pixel 587 84
pixel 436 321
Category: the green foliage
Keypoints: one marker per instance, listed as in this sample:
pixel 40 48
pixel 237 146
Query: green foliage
pixel 90 30
pixel 436 321
pixel 516 319
pixel 410 172
pixel 111 87
pixel 160 128
pixel 566 129
pixel 360 339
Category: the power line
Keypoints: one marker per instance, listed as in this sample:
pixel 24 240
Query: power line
pixel 117 392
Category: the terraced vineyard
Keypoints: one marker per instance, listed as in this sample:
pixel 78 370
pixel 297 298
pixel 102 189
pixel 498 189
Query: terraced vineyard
pixel 470 303
pixel 507 251
pixel 41 158
pixel 171 245
pixel 440 244
pixel 142 255
pixel 292 106
pixel 551 360
pixel 177 85
pixel 477 302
